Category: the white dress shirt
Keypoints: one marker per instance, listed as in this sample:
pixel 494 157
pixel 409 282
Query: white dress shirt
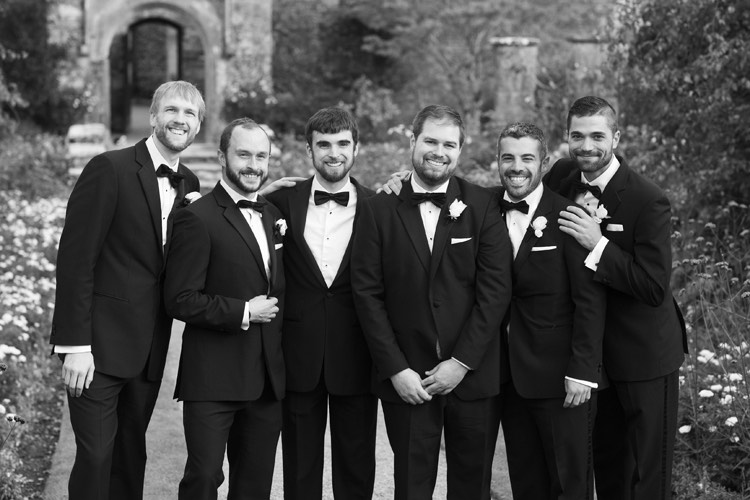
pixel 429 211
pixel 254 220
pixel 518 222
pixel 591 203
pixel 328 229
pixel 167 195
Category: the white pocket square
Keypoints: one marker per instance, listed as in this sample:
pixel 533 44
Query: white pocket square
pixel 543 249
pixel 614 227
pixel 459 240
pixel 278 245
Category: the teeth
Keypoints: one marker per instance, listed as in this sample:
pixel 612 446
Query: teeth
pixel 335 164
pixel 435 163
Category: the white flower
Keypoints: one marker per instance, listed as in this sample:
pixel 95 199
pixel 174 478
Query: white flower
pixel 456 209
pixel 731 421
pixel 726 400
pixel 684 429
pixel 735 377
pixel 705 393
pixel 191 197
pixel 2 410
pixel 600 213
pixel 280 227
pixel 735 438
pixel 716 387
pixel 538 225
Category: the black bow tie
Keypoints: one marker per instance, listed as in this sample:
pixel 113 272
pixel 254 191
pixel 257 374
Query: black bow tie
pixel 174 177
pixel 255 205
pixel 507 206
pixel 436 198
pixel 580 187
pixel 321 197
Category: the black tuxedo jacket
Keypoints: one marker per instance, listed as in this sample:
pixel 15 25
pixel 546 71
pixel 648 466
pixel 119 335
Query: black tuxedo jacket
pixel 321 330
pixel 214 267
pixel 110 264
pixel 645 332
pixel 408 300
pixel 557 313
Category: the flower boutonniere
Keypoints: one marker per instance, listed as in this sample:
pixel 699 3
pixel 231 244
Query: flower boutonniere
pixel 279 227
pixel 456 209
pixel 190 197
pixel 599 214
pixel 538 225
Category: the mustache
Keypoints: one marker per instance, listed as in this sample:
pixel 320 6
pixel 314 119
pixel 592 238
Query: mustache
pixel 433 156
pixel 251 171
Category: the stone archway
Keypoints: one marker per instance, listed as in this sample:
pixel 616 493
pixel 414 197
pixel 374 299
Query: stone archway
pixel 113 17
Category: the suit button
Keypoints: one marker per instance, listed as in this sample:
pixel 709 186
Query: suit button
pixel 329 294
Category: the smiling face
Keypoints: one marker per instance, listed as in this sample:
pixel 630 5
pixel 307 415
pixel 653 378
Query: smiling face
pixel 332 155
pixel 435 152
pixel 520 165
pixel 245 164
pixel 592 143
pixel 175 122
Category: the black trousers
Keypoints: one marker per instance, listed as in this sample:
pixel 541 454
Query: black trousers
pixel 634 438
pixel 109 421
pixel 353 428
pixel 548 447
pixel 414 432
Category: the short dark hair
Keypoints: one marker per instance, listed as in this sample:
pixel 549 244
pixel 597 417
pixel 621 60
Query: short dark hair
pixel 186 90
pixel 438 112
pixel 591 105
pixel 331 121
pixel 246 123
pixel 522 129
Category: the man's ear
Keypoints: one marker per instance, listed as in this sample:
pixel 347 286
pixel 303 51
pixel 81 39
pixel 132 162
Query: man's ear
pixel 545 165
pixel 309 150
pixel 615 139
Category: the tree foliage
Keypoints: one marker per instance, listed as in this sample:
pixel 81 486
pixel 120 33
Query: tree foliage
pixel 685 74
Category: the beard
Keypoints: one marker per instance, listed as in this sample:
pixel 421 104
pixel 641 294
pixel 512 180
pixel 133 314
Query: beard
pixel 596 165
pixel 247 186
pixel 332 174
pixel 176 144
pixel 430 175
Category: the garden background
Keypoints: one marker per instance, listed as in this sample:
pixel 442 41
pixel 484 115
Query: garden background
pixel 678 68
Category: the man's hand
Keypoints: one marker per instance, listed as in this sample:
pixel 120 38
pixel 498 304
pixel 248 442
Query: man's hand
pixel 576 222
pixel 408 385
pixel 78 372
pixel 576 393
pixel 444 377
pixel 262 309
pixel 284 182
pixel 393 184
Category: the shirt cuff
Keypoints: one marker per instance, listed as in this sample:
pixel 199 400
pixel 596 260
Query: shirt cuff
pixel 71 349
pixel 593 385
pixel 246 317
pixel 593 258
pixel 457 361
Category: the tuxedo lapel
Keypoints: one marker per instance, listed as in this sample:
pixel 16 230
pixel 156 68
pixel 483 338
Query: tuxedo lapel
pixel 444 226
pixel 268 226
pixel 412 221
pixel 612 195
pixel 361 194
pixel 544 209
pixel 566 185
pixel 179 198
pixel 298 205
pixel 150 186
pixel 235 218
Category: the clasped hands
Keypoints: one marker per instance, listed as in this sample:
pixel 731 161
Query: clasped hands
pixel 441 380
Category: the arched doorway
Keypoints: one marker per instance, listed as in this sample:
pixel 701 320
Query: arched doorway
pixel 149 53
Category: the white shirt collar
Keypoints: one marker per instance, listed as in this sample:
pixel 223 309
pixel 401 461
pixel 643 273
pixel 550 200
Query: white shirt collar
pixel 316 185
pixel 602 181
pixel 532 199
pixel 156 157
pixel 419 189
pixel 235 195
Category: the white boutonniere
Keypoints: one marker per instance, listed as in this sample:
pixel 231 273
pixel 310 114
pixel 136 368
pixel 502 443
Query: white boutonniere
pixel 538 225
pixel 456 209
pixel 190 197
pixel 599 214
pixel 280 227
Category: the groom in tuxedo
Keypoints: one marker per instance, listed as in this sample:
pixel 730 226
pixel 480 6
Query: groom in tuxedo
pixel 431 281
pixel 327 362
pixel 625 226
pixel 225 280
pixel 553 340
pixel 110 326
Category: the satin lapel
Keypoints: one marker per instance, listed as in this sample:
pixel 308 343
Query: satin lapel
pixel 611 197
pixel 181 190
pixel 529 238
pixel 150 186
pixel 268 226
pixel 235 218
pixel 298 205
pixel 361 193
pixel 444 226
pixel 566 185
pixel 412 221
